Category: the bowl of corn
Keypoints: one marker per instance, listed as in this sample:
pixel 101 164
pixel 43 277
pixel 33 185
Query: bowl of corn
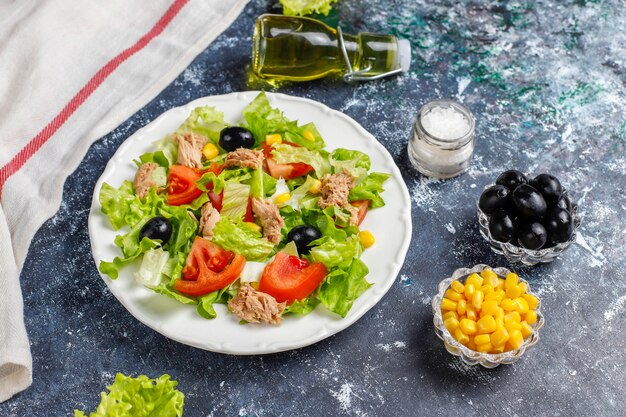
pixel 487 316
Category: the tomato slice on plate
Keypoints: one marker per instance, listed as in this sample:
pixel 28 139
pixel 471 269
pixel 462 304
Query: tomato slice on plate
pixel 182 185
pixel 208 268
pixel 286 171
pixel 289 278
pixel 363 206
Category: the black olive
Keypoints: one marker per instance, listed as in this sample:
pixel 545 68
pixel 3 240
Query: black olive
pixel 302 236
pixel 529 202
pixel 234 137
pixel 564 203
pixel 493 198
pixel 532 235
pixel 511 179
pixel 158 228
pixel 559 225
pixel 501 226
pixel 549 187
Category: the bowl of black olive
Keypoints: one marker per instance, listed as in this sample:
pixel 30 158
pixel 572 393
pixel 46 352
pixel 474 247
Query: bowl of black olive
pixel 528 220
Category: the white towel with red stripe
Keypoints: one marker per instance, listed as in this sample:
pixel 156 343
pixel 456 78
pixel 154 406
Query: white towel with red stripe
pixel 70 72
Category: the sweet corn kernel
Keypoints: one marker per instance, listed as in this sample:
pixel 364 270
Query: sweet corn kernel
pixel 462 337
pixel 367 240
pixel 477 300
pixel 526 330
pixel 453 295
pixel 521 305
pixel 475 279
pixel 210 151
pixel 524 287
pixel 512 316
pixel 471 344
pixel 273 139
pixel 499 314
pixel 508 305
pixel 530 317
pixel 481 339
pixel 457 286
pixel 490 307
pixel 499 337
pixel 516 340
pixel 486 324
pixel 470 312
pixel 282 198
pixel 500 283
pixel 448 304
pixel 316 187
pixel 531 300
pixel 512 326
pixel 451 324
pixel 512 279
pixel 449 314
pixel 309 135
pixel 487 289
pixel 514 291
pixel 469 290
pixel 253 226
pixel 461 307
pixel 489 275
pixel 498 349
pixel 484 348
pixel 468 326
pixel 255 285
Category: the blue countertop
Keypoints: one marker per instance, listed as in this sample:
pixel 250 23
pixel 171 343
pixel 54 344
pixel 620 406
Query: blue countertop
pixel 547 84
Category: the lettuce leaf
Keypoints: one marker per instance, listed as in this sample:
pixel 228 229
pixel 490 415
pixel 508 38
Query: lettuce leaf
pixel 139 397
pixel 333 253
pixel 112 269
pixel 235 200
pixel 342 286
pixel 302 307
pixel 205 120
pixel 370 189
pixel 115 202
pixel 304 7
pixel 241 239
pixel 285 154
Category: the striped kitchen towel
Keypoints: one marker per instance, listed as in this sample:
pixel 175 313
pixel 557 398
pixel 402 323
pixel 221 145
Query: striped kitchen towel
pixel 70 72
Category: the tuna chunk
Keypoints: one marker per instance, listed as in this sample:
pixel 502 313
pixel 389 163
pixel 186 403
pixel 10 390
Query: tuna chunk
pixel 143 181
pixel 244 158
pixel 270 219
pixel 190 149
pixel 335 190
pixel 256 307
pixel 209 216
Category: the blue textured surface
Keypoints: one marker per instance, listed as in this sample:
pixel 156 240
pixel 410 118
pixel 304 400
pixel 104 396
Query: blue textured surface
pixel 547 84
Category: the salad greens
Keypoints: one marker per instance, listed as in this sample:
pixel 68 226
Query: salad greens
pixel 338 249
pixel 139 397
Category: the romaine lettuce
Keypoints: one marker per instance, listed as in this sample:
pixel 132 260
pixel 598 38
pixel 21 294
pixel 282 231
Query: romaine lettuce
pixel 370 189
pixel 286 154
pixel 342 286
pixel 206 121
pixel 241 239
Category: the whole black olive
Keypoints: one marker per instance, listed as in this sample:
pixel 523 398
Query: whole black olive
pixel 549 187
pixel 532 235
pixel 493 198
pixel 559 225
pixel 501 226
pixel 564 203
pixel 158 228
pixel 529 202
pixel 234 137
pixel 511 179
pixel 302 236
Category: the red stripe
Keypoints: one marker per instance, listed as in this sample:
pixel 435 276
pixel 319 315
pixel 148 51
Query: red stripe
pixel 99 77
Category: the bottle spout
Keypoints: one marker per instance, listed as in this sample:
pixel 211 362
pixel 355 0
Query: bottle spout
pixel 404 54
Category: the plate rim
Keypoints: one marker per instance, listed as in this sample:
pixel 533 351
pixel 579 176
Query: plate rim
pixel 263 348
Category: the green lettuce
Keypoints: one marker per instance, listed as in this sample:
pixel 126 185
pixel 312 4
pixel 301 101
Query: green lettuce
pixel 285 154
pixel 235 200
pixel 241 239
pixel 333 253
pixel 370 189
pixel 302 307
pixel 342 286
pixel 304 7
pixel 115 202
pixel 206 121
pixel 139 397
pixel 112 269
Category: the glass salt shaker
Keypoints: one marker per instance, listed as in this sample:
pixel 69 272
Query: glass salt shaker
pixel 442 140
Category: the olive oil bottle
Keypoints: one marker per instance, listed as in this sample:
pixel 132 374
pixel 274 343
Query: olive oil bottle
pixel 302 49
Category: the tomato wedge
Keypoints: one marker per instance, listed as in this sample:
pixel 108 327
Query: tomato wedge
pixel 249 217
pixel 216 199
pixel 286 171
pixel 182 185
pixel 363 206
pixel 289 278
pixel 208 268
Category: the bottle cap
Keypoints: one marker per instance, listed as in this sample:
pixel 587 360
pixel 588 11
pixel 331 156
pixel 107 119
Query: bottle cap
pixel 404 54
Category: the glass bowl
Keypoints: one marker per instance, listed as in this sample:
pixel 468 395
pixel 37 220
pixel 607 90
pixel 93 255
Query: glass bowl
pixel 467 355
pixel 514 253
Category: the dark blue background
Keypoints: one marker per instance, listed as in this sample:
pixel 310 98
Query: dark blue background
pixel 546 82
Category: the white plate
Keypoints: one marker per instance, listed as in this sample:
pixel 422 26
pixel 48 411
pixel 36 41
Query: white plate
pixel 391 225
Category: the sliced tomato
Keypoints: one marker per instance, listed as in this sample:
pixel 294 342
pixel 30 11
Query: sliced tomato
pixel 181 187
pixel 289 278
pixel 286 171
pixel 363 206
pixel 208 268
pixel 215 168
pixel 216 200
pixel 249 217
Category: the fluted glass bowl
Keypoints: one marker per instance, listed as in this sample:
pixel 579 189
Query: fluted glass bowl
pixel 514 253
pixel 472 357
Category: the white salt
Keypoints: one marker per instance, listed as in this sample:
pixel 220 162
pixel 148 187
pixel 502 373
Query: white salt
pixel 445 123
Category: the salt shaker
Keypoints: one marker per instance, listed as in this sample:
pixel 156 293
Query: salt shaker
pixel 442 140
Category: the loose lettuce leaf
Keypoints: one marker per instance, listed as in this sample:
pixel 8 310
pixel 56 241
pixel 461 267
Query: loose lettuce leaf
pixel 303 307
pixel 304 7
pixel 139 397
pixel 262 184
pixel 342 286
pixel 333 253
pixel 300 136
pixel 210 178
pixel 235 200
pixel 360 159
pixel 115 202
pixel 205 120
pixel 370 189
pixel 205 303
pixel 112 269
pixel 241 239
pixel 285 154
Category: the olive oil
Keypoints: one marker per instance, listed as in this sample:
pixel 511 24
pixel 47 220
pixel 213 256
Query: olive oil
pixel 303 49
